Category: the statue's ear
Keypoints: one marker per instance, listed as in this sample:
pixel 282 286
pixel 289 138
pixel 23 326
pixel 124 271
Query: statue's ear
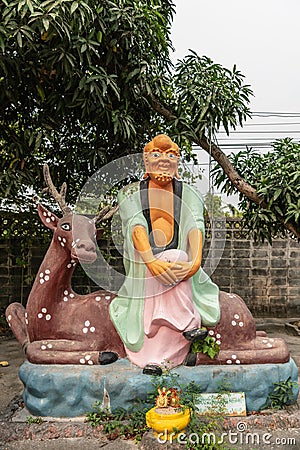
pixel 177 175
pixel 48 218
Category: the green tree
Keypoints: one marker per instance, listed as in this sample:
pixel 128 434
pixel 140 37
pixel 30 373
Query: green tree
pixel 73 82
pixel 213 205
pixel 275 176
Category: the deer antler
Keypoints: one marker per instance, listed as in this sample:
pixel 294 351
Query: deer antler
pixel 105 213
pixel 60 198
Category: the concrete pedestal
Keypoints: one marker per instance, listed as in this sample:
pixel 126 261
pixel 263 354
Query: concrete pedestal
pixel 72 390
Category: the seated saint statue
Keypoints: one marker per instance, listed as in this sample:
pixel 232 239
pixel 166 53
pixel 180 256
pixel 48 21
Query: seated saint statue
pixel 166 296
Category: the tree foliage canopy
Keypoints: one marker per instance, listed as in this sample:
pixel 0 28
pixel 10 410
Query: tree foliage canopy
pixel 74 77
pixel 276 177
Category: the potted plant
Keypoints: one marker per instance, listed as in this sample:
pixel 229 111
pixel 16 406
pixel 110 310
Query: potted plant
pixel 168 416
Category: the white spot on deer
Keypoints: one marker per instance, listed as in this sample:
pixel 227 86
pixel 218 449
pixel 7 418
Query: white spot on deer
pixel 66 292
pixel 228 361
pixel 44 310
pixel 49 214
pixel 92 329
pixel 46 278
pixel 87 357
pixel 48 220
pixel 48 317
pixel 218 342
pixel 218 336
pixel 43 347
pixel 85 330
pixel 69 266
pixel 62 244
pixel 77 240
pixel 41 275
pixel 47 271
pixel 59 238
pixel 9 318
pixel 82 361
pixel 72 295
pixel 236 316
pixel 233 356
pixel 238 361
pixel 90 362
pixel 64 240
pixel 44 213
pixel 241 324
pixel 107 297
pixel 49 345
pixel 65 299
pixel 233 323
pixel 211 332
pixel 26 321
pixel 40 315
pixel 73 244
pixel 269 345
pixel 26 315
pixel 42 281
pixel 53 218
pixel 97 299
pixel 87 323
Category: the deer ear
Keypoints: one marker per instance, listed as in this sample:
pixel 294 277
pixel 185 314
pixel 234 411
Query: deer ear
pixel 48 218
pixel 99 233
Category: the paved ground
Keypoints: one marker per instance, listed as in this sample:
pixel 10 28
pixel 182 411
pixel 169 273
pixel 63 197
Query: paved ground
pixel 278 431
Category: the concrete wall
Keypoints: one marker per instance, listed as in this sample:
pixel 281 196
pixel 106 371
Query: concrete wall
pixel 266 277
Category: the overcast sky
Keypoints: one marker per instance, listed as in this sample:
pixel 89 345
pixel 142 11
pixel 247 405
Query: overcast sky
pixel 262 38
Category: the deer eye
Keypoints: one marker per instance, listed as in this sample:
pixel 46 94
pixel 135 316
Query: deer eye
pixel 66 226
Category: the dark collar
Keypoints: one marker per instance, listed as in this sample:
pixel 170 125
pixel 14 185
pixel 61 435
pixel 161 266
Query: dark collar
pixel 177 191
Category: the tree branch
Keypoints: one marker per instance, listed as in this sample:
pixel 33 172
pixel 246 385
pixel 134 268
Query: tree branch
pixel 219 156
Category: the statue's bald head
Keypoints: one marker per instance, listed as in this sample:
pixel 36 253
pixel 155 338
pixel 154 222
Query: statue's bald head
pixel 162 142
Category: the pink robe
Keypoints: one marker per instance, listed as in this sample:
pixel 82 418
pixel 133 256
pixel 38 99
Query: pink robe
pixel 168 312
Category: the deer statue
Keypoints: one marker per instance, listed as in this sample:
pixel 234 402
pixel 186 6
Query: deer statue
pixel 58 325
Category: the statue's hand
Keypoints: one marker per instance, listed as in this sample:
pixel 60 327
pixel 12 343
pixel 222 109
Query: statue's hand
pixel 185 270
pixel 163 271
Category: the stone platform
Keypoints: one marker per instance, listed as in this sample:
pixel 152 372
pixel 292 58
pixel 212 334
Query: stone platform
pixel 72 390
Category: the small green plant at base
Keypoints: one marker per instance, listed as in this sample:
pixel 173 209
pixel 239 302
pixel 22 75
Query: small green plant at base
pixel 132 425
pixel 121 423
pixel 209 346
pixel 32 420
pixel 208 432
pixel 281 395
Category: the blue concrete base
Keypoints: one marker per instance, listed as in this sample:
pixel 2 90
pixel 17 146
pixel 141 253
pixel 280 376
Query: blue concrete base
pixel 72 390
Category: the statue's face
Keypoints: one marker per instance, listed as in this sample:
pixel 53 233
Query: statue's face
pixel 161 165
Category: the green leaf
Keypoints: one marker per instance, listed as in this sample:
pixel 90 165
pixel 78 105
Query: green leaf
pixel 46 23
pixel 74 6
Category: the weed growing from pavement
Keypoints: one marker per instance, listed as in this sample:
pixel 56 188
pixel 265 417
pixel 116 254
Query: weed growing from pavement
pixel 281 394
pixel 31 420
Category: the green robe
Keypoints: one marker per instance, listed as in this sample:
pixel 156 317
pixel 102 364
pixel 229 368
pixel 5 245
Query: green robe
pixel 126 310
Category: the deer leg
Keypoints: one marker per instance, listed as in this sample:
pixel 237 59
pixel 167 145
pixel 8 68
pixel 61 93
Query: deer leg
pixel 16 319
pixel 65 351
